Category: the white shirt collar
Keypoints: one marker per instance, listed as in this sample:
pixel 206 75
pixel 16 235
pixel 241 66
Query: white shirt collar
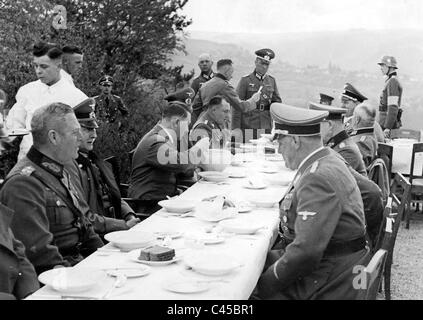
pixel 167 132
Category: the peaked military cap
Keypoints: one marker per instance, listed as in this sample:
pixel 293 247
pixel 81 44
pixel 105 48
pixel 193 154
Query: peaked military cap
pixel 85 113
pixel 335 113
pixel 105 80
pixel 326 98
pixel 265 54
pixel 352 93
pixel 296 121
pixel 184 95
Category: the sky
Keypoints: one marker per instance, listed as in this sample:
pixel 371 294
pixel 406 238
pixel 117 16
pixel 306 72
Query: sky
pixel 279 16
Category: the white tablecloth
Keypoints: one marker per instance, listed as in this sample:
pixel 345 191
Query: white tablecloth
pixel 401 157
pixel 249 251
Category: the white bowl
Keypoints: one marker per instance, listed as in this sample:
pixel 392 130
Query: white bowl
pixel 212 263
pixel 216 160
pixel 240 226
pixel 213 176
pixel 130 239
pixel 72 280
pixel 177 205
pixel 263 202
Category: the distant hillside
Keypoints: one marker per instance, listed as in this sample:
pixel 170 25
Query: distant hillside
pixel 308 64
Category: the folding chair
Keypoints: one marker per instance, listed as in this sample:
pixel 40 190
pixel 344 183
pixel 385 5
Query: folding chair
pixel 406 133
pixel 416 182
pixel 374 272
pixel 385 152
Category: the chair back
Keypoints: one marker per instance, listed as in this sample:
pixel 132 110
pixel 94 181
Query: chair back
pixel 374 272
pixel 378 173
pixel 385 152
pixel 405 134
pixel 417 148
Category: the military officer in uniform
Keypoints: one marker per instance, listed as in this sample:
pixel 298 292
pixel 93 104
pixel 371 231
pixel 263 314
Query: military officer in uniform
pixel 205 64
pixel 108 212
pixel 185 96
pixel 49 216
pixel 363 132
pixel 157 160
pixel 351 98
pixel 109 107
pixel 212 124
pixel 219 85
pixel 322 226
pixel 326 99
pixel 257 121
pixel 335 137
pixel 390 100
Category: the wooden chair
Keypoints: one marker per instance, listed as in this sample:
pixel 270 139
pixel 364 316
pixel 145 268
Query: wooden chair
pixel 405 133
pixel 416 182
pixel 374 273
pixel 385 152
pixel 400 193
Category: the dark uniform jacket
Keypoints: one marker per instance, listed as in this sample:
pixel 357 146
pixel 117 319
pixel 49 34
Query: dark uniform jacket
pixel 17 275
pixel 321 211
pixel 366 143
pixel 109 108
pixel 198 82
pixel 260 117
pixel 107 210
pixel 206 126
pixel 155 163
pixel 218 85
pixel 49 214
pixel 390 103
pixel 344 145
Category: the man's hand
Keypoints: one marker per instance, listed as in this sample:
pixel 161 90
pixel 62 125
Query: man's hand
pixel 387 133
pixel 256 96
pixel 132 222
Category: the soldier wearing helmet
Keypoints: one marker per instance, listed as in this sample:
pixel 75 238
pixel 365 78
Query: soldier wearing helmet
pixel 390 100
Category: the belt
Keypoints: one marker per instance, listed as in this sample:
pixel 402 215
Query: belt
pixel 263 107
pixel 338 248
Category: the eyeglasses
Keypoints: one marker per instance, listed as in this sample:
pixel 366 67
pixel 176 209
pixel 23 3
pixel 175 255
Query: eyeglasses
pixel 204 61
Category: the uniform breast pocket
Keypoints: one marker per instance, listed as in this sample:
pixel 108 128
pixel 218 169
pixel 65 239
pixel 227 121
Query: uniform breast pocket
pixel 268 92
pixel 57 211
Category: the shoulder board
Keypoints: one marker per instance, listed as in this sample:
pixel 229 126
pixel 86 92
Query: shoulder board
pixel 270 76
pixel 363 138
pixel 27 171
pixel 314 166
pixel 118 97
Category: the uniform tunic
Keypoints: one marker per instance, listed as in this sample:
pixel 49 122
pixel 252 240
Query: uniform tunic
pixel 49 217
pixel 218 85
pixel 198 82
pixel 17 275
pixel 260 117
pixel 390 102
pixel 366 143
pixel 206 126
pixel 321 207
pixel 34 95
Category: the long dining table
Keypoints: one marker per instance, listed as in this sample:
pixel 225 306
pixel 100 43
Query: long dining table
pixel 249 251
pixel 401 156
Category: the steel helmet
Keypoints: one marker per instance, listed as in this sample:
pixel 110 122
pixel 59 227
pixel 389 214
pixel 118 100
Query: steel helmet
pixel 389 61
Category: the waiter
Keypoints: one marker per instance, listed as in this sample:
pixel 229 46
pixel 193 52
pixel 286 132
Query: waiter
pixel 258 120
pixel 390 100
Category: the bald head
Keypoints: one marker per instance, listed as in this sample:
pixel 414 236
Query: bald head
pixel 364 116
pixel 205 63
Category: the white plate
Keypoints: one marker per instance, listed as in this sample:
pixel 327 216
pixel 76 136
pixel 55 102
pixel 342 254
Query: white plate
pixel 171 234
pixel 244 209
pixel 213 176
pixel 269 170
pixel 186 286
pixel 226 213
pixel 240 226
pixel 134 255
pixel 237 174
pixel 255 186
pixel 211 263
pixel 130 239
pixel 177 205
pixel 130 273
pixel 72 280
pixel 263 202
pixel 206 238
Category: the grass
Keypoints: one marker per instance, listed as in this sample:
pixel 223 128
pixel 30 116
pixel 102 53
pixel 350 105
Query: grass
pixel 407 267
